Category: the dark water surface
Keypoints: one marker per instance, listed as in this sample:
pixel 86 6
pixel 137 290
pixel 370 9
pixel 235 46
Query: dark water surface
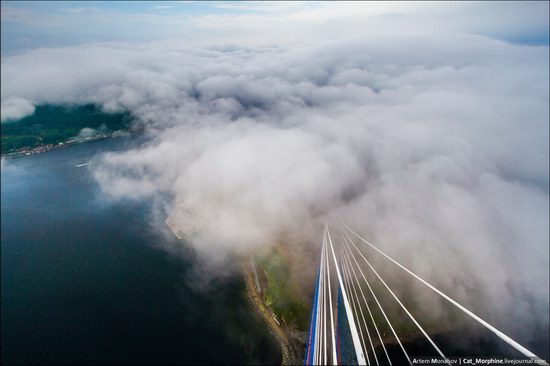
pixel 82 281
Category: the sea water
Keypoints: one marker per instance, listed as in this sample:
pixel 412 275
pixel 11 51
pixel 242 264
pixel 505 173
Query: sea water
pixel 83 280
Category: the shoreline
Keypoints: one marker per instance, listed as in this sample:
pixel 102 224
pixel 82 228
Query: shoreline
pixel 289 353
pixel 41 149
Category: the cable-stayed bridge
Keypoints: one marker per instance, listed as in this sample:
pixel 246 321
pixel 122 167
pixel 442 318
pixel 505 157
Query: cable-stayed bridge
pixel 349 290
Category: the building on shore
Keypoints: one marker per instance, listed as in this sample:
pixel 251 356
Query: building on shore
pixel 182 222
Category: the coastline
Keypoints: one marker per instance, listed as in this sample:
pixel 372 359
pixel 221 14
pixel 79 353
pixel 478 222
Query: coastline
pixel 40 149
pixel 289 349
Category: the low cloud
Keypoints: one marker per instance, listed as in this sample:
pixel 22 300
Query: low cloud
pixel 13 109
pixel 87 132
pixel 435 147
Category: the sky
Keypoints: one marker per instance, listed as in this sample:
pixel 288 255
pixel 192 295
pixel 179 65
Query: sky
pixel 424 126
pixel 33 24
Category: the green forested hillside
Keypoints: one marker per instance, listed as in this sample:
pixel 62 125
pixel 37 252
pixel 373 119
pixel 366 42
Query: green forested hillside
pixel 53 124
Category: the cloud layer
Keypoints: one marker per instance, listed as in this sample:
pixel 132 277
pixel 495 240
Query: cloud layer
pixel 434 146
pixel 28 25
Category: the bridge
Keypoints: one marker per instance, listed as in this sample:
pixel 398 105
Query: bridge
pixel 343 329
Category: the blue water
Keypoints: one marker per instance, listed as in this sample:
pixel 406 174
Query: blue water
pixel 83 282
